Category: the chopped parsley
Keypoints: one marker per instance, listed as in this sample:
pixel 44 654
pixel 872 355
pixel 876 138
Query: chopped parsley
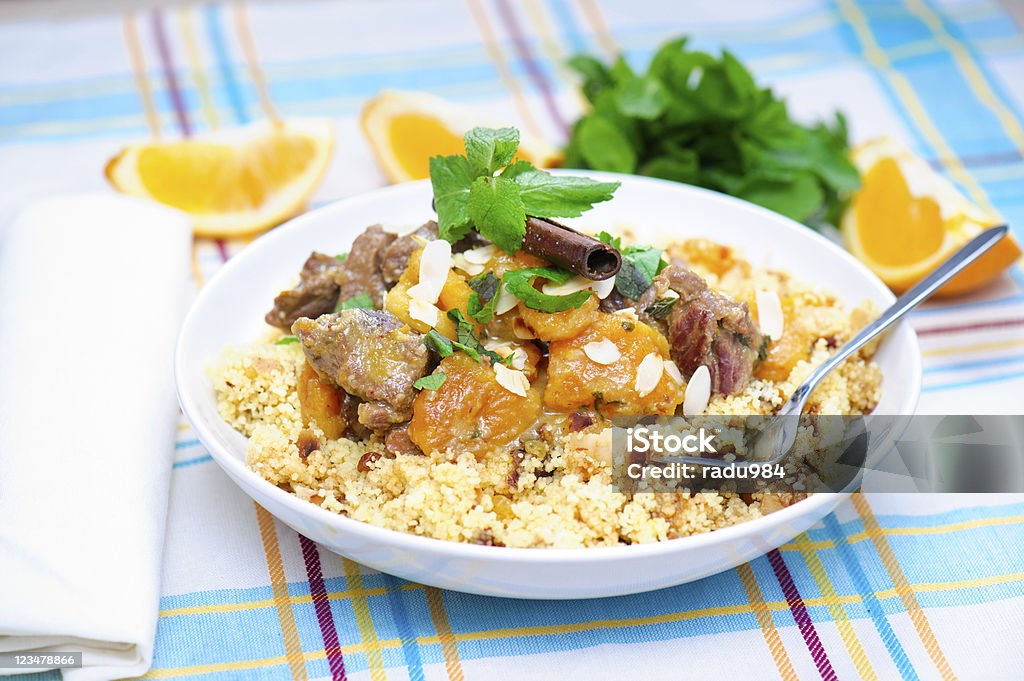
pixel 286 340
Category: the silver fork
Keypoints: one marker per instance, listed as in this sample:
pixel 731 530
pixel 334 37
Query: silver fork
pixel 780 433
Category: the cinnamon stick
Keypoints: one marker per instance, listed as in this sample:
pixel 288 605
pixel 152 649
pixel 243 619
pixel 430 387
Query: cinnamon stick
pixel 580 253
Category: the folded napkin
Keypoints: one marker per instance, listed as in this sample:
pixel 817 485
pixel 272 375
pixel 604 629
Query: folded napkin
pixel 92 289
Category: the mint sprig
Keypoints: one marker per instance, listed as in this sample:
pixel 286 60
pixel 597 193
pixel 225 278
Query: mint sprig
pixel 701 119
pixel 488 190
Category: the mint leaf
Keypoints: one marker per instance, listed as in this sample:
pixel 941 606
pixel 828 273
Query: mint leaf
pixel 644 98
pixel 613 241
pixel 363 301
pixel 438 343
pixel 603 145
pixel 467 340
pixel 484 298
pixel 701 119
pixel 490 149
pixel 640 264
pixel 520 284
pixel 553 196
pixel 661 307
pixel 286 340
pixel 497 211
pixel 432 381
pixel 451 177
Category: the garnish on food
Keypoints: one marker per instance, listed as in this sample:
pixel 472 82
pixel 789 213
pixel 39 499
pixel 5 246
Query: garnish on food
pixel 490 191
pixel 698 119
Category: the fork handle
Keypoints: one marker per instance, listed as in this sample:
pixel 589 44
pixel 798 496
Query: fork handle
pixel 967 254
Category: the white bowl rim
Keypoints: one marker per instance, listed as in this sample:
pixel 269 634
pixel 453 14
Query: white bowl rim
pixel 235 467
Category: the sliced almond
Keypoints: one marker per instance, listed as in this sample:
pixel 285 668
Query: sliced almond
pixel 519 358
pixel 603 351
pixel 604 288
pixel 628 312
pixel 648 374
pixel 569 286
pixel 435 261
pixel 422 311
pixel 769 314
pixel 512 380
pixel 460 262
pixel 482 255
pixel 672 370
pixel 506 301
pixel 698 392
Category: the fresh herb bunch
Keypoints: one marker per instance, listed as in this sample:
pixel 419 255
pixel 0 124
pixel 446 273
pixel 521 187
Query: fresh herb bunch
pixel 704 121
pixel 487 189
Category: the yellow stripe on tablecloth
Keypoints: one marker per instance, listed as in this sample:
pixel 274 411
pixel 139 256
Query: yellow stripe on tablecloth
pixel 975 79
pixel 391 643
pixel 279 587
pixel 537 17
pixel 361 610
pixel 835 607
pixel 974 347
pixel 903 587
pixel 259 78
pixel 131 40
pixel 195 65
pixel 592 13
pixel 449 645
pixel 915 531
pixel 877 58
pixel 497 57
pixel 764 620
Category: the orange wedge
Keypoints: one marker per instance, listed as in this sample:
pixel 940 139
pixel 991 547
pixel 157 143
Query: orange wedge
pixel 232 182
pixel 906 219
pixel 405 129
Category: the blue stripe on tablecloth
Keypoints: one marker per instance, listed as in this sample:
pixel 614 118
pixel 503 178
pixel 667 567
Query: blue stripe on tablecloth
pixel 185 444
pixel 396 601
pixel 192 462
pixel 215 34
pixel 979 364
pixel 871 604
pixel 966 383
pixel 468 614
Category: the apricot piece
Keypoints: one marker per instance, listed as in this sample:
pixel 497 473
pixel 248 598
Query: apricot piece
pixel 575 381
pixel 322 403
pixel 471 411
pixel 454 295
pixel 560 325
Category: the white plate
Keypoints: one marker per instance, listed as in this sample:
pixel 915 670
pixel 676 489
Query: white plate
pixel 230 310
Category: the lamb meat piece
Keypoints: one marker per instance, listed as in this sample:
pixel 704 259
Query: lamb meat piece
pixel 316 294
pixel 396 256
pixel 370 354
pixel 361 272
pixel 710 328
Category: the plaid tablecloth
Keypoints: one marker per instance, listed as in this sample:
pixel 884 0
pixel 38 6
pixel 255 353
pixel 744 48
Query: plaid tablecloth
pixel 889 586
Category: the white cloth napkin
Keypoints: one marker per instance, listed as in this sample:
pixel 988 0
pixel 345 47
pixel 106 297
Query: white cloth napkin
pixel 92 289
